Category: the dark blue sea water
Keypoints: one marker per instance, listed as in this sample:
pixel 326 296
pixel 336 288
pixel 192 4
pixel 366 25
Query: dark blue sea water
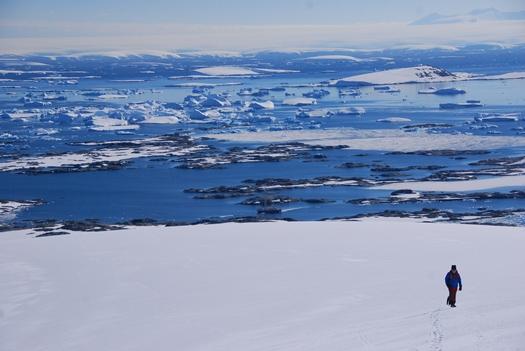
pixel 155 189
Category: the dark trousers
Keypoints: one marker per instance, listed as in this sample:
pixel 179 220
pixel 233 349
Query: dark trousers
pixel 452 295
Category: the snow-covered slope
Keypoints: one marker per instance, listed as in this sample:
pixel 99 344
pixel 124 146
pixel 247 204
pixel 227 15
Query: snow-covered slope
pixel 267 286
pixel 416 74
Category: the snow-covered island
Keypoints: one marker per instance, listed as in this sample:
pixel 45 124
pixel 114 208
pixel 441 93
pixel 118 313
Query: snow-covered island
pixel 417 74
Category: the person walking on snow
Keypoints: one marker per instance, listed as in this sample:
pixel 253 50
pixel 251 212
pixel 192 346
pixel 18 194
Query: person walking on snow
pixel 453 281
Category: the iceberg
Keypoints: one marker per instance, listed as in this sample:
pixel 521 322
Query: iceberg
pixel 112 96
pixel 304 101
pixel 60 117
pixel 349 111
pixel 453 106
pixel 226 71
pixel 336 58
pixel 215 101
pixel 262 105
pixel 173 105
pixel 394 120
pixel 442 91
pixel 317 93
pixel 51 97
pixel 387 89
pixel 101 124
pixel 312 113
pixel 497 117
pixel 250 92
pixel 37 104
pixel 194 100
pixel 349 92
pixel 198 115
pixel 161 120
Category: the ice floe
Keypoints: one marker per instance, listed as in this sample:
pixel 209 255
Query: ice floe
pixel 509 75
pixel 299 101
pixel 226 71
pixel 460 105
pixel 497 117
pixel 277 70
pixel 101 124
pixel 379 139
pixel 316 93
pixel 442 91
pixel 328 112
pixel 463 185
pixel 336 58
pixel 394 120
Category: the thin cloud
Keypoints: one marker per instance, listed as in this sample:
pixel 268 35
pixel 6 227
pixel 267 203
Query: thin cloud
pixel 18 37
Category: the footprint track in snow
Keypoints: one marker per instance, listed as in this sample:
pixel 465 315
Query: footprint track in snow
pixel 437 331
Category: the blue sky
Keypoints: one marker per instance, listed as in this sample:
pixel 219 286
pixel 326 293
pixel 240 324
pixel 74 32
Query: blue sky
pixel 258 12
pixel 239 25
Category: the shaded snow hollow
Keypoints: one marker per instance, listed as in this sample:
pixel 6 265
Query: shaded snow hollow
pixel 374 285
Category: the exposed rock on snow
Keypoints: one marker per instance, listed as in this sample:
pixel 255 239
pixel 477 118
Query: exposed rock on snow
pixel 106 152
pixel 9 208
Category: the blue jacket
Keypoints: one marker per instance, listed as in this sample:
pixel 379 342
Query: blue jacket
pixel 453 280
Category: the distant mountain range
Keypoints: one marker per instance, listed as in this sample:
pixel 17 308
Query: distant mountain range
pixel 489 14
